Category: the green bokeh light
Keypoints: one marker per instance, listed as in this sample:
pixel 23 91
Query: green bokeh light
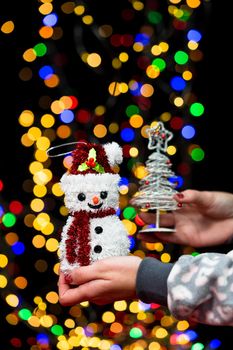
pixel 154 17
pixel 131 110
pixel 197 109
pixel 40 49
pixel 181 57
pixel 197 346
pixel 159 63
pixel 57 329
pixel 24 314
pixel 135 332
pixel 197 154
pixel 8 219
pixel 129 213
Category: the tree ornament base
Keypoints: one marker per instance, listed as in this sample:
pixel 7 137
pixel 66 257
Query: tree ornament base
pixel 155 229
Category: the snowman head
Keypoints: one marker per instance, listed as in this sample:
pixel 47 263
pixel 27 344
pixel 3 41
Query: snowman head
pixel 91 184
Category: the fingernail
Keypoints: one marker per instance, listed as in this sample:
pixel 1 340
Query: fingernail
pixel 68 279
pixel 180 195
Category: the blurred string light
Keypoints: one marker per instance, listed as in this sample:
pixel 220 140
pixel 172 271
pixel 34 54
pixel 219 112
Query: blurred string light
pixel 162 67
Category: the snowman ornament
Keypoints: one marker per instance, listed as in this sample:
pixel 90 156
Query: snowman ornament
pixel 92 231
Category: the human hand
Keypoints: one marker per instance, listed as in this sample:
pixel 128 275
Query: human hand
pixel 205 219
pixel 101 283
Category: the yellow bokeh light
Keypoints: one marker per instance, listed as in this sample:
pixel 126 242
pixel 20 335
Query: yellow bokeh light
pixel 34 167
pixel 152 72
pixel 166 116
pixel 161 333
pixel 138 47
pixel 46 32
pixel 140 171
pixel 69 323
pixel 26 118
pixel 116 63
pixel 37 205
pixel 87 19
pixel 100 130
pixel 100 110
pixel 43 143
pixel 178 101
pixel 57 190
pixel 40 155
pixel 193 3
pixel 42 177
pixel 47 120
pixel 8 27
pixel 136 121
pixel 3 281
pixel 187 75
pixel 52 297
pixel 164 46
pixel 182 325
pixel 133 152
pixel 38 241
pixel 113 128
pixel 156 50
pixel 166 321
pixel 45 8
pixel 108 317
pixel 34 321
pixel 134 307
pixel 120 305
pixel 123 57
pixel 165 257
pixel 12 319
pixel 171 150
pixel 94 60
pixel 192 45
pixel 154 346
pixel 147 90
pixel 114 88
pixel 46 321
pixel 138 5
pixel 3 260
pixel 39 190
pixel 52 244
pixel 26 141
pixel 12 300
pixel 57 106
pixel 29 55
pixel 34 133
pixel 48 229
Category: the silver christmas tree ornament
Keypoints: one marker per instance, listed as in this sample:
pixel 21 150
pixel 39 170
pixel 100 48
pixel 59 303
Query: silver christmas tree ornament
pixel 156 190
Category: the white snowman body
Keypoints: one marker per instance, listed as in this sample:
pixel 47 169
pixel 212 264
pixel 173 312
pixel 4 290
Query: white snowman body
pixel 92 200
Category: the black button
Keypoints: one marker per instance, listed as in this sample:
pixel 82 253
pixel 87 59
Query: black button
pixel 98 229
pixel 97 249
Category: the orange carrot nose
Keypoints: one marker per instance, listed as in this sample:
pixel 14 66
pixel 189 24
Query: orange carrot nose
pixel 95 200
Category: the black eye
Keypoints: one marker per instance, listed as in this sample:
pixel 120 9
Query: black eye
pixel 103 194
pixel 81 196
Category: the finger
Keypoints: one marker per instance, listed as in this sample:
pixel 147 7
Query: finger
pixel 85 274
pixel 63 286
pixel 84 292
pixel 200 198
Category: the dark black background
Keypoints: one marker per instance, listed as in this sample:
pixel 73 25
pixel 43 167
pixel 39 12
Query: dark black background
pixel 215 128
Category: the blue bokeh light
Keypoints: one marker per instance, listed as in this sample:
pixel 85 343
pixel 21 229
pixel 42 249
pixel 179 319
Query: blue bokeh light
pixel 50 20
pixel 188 132
pixel 67 116
pixel 127 135
pixel 178 83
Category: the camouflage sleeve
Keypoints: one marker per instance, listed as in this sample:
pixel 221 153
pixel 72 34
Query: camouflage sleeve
pixel 200 288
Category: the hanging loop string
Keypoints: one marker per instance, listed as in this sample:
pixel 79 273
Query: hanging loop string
pixel 61 146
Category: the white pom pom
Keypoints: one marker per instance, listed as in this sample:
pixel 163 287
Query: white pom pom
pixel 114 153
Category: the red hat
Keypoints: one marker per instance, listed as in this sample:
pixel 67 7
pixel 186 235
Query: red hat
pixel 90 158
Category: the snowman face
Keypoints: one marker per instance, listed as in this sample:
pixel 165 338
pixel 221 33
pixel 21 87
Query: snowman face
pixel 91 192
